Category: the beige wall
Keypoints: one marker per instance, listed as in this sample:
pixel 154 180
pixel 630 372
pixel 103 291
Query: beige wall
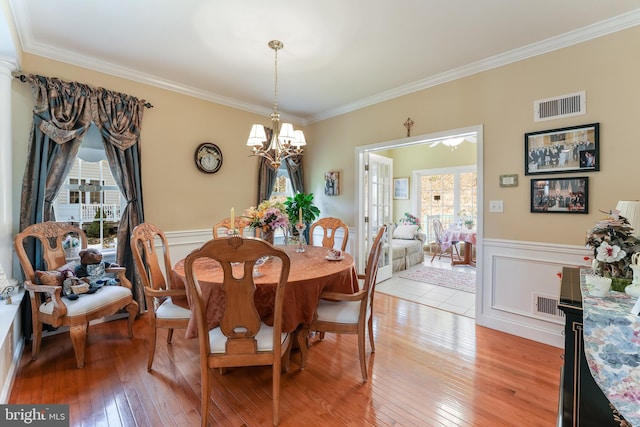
pixel 178 197
pixel 502 101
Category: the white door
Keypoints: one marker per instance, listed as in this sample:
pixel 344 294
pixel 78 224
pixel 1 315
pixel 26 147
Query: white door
pixel 377 208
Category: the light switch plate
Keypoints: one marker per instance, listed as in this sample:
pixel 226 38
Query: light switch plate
pixel 496 206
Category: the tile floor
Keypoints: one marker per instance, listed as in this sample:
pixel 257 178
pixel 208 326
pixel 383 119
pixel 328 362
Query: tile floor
pixel 459 302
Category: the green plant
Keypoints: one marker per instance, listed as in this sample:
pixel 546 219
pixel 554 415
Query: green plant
pixel 469 223
pixel 94 228
pixel 301 201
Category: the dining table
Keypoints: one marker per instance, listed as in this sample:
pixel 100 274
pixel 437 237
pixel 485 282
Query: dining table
pixel 465 235
pixel 312 272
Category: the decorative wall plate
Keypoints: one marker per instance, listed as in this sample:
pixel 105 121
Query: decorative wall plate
pixel 208 157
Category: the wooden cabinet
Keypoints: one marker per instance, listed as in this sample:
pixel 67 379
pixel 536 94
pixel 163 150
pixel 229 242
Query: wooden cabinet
pixel 582 402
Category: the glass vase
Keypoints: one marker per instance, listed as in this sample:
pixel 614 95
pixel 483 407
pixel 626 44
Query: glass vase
pixel 267 235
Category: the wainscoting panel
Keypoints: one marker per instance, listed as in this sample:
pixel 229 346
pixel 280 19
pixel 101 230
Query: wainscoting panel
pixel 515 275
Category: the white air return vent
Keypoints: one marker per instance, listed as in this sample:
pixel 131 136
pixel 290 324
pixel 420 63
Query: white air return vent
pixel 547 306
pixel 573 104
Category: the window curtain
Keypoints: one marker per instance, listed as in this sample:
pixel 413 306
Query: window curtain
pixel 266 175
pixel 62 114
pixel 60 120
pixel 294 167
pixel 119 117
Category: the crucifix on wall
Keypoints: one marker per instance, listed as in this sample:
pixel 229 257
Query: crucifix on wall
pixel 408 123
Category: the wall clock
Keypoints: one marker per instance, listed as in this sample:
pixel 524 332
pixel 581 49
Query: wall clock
pixel 208 157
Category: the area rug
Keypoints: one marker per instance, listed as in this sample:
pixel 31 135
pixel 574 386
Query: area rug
pixel 459 280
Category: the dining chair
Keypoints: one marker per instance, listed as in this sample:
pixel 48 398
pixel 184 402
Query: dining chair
pixel 222 228
pixel 158 290
pixel 241 338
pixel 352 313
pixel 43 280
pixel 329 228
pixel 438 231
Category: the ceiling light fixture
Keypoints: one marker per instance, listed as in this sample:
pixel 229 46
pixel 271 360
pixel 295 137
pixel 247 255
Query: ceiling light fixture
pixel 285 142
pixel 455 141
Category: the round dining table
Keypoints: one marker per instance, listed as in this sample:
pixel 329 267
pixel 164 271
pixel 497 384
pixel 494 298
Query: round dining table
pixel 311 274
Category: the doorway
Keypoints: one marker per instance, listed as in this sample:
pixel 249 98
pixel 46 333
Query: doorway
pixel 427 140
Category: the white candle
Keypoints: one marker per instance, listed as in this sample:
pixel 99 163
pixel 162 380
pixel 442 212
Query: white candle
pixel 233 219
pixel 300 215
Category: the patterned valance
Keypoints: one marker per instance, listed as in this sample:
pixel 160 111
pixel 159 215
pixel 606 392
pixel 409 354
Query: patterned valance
pixel 67 109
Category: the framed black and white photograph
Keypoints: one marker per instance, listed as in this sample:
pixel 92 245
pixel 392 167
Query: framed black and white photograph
pixel 401 188
pixel 560 195
pixel 562 150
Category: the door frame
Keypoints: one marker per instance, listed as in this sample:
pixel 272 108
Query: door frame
pixel 422 139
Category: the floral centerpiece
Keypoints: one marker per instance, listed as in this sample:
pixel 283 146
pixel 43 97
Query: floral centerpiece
pixel 268 216
pixel 613 246
pixel 409 219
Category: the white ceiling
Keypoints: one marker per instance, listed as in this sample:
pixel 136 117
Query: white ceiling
pixel 339 55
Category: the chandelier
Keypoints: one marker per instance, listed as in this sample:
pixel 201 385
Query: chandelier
pixel 285 142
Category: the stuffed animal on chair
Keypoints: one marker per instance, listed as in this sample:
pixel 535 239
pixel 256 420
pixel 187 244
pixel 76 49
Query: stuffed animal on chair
pixel 92 269
pixel 73 286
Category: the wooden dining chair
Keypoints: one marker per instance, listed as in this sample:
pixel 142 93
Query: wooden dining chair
pixel 241 338
pixel 438 232
pixel 44 280
pixel 222 228
pixel 352 313
pixel 329 228
pixel 158 289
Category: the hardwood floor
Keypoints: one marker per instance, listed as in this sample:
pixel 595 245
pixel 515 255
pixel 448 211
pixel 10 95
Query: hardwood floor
pixel 430 368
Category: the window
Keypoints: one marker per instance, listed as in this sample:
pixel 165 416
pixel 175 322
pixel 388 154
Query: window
pixel 449 195
pixel 90 197
pixel 282 188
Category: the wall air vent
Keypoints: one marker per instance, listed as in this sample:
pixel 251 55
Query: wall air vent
pixel 573 104
pixel 548 307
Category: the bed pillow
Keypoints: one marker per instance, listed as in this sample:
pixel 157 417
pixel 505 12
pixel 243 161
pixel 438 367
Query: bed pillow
pixel 405 232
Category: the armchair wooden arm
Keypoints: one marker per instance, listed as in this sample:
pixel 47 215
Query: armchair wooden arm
pixel 159 293
pixel 337 296
pixel 120 274
pixel 53 294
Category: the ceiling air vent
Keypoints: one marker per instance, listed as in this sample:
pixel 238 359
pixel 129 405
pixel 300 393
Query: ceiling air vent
pixel 573 104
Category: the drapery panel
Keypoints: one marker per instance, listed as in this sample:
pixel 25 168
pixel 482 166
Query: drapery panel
pixel 294 167
pixel 62 114
pixel 266 175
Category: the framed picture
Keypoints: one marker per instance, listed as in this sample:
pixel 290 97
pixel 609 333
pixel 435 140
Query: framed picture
pixel 562 150
pixel 509 180
pixel 560 195
pixel 400 188
pixel 332 183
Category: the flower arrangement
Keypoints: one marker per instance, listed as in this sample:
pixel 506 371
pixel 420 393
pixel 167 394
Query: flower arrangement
pixel 267 216
pixel 409 219
pixel 70 242
pixel 613 245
